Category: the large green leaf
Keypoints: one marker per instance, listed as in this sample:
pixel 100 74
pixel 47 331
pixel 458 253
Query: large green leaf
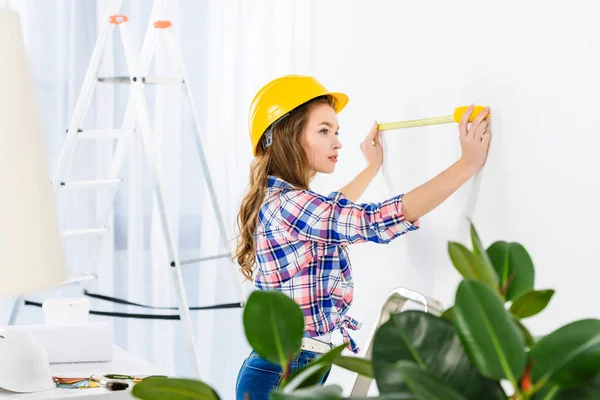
pixel 173 389
pixel 530 303
pixel 433 344
pixel 355 364
pixel 332 392
pixel 478 247
pixel 568 356
pixel 389 396
pixel 488 332
pixel 424 385
pixel 527 336
pixel 513 266
pixel 547 392
pixel 448 314
pixel 312 373
pixel 274 326
pixel 590 390
pixel 471 266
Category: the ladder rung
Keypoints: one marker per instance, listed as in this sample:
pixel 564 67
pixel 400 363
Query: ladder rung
pixel 102 133
pixel 114 79
pixel 78 279
pixel 162 80
pixel 148 80
pixel 199 260
pixel 83 232
pixel 90 184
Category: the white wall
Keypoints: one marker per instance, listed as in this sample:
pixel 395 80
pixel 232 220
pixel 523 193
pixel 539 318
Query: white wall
pixel 536 65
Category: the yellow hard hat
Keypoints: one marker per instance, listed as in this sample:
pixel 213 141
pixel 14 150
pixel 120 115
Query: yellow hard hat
pixel 280 96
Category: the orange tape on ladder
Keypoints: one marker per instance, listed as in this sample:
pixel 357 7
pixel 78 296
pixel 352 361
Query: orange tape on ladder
pixel 162 24
pixel 118 19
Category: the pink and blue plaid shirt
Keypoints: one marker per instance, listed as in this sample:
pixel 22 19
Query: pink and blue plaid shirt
pixel 301 247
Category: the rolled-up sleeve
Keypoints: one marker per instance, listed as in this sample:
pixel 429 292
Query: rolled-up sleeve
pixel 334 219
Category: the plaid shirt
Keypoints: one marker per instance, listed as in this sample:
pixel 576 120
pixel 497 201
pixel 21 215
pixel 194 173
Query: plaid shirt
pixel 301 246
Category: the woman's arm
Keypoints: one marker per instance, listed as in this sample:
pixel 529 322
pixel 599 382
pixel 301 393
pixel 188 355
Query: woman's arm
pixel 356 187
pixel 431 194
pixel 306 215
pixel 474 143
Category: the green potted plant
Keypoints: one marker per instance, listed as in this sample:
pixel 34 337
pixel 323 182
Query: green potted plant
pixel 478 349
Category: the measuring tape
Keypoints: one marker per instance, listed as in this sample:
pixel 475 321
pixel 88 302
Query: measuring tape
pixel 456 117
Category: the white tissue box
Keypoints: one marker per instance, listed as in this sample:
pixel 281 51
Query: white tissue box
pixel 92 342
pixel 62 311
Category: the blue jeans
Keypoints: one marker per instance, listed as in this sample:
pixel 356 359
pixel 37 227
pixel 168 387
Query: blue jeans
pixel 258 377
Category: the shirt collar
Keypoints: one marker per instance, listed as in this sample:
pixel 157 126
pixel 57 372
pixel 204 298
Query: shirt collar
pixel 275 182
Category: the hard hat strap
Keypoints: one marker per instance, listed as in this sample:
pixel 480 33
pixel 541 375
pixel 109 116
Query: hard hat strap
pixel 267 139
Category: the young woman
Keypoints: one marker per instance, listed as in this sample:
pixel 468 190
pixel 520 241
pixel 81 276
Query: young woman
pixel 294 240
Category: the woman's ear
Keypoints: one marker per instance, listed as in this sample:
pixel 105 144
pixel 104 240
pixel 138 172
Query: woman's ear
pixel 302 141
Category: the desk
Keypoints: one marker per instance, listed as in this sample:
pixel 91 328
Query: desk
pixel 122 363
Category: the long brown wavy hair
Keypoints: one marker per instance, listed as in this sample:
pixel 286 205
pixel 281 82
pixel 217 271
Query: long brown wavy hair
pixel 286 159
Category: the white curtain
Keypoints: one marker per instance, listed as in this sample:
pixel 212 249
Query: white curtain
pixel 230 49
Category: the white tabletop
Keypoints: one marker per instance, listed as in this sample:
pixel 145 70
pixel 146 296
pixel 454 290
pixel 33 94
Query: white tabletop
pixel 122 363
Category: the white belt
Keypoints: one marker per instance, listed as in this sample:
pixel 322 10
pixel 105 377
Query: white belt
pixel 314 345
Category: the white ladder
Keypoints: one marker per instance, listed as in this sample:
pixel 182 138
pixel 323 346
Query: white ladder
pixel 136 114
pixel 395 303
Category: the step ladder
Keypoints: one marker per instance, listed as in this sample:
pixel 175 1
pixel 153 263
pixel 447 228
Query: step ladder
pixel 396 302
pixel 136 120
